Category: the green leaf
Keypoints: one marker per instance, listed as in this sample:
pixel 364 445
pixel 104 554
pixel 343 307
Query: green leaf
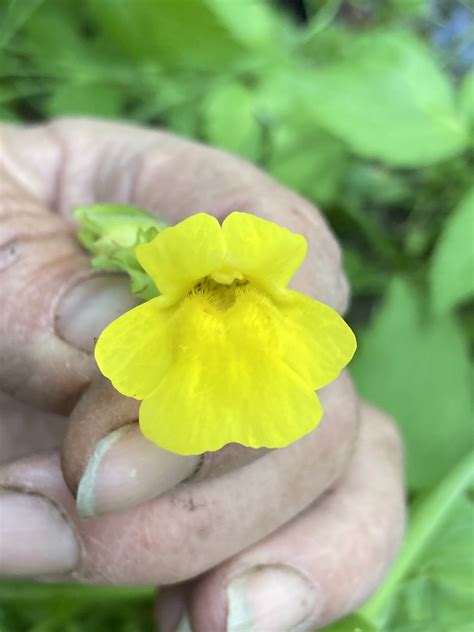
pixel 230 120
pixel 452 266
pixel 26 591
pixel 16 14
pixel 171 33
pixel 353 623
pixel 7 115
pixel 308 159
pixel 184 120
pixel 388 100
pixel 466 99
pixel 53 38
pixel 365 277
pixel 251 22
pixel 430 586
pixel 450 560
pixel 111 233
pixel 86 98
pixel 284 94
pixel 302 155
pixel 418 370
pixel 374 184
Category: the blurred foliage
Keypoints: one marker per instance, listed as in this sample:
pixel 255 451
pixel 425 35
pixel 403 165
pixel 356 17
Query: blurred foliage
pixel 367 108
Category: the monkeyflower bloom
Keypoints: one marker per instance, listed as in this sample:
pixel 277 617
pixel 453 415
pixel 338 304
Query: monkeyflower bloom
pixel 226 353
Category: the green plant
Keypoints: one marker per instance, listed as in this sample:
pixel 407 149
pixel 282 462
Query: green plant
pixel 366 108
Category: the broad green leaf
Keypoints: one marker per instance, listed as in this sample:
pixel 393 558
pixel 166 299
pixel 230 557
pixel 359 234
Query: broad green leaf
pixel 418 371
pixel 440 592
pixel 172 33
pixel 53 38
pixel 251 22
pixel 55 42
pixel 353 623
pixel 7 115
pixel 365 277
pixel 14 16
pixel 466 99
pixel 86 98
pixel 320 15
pixel 301 154
pixel 439 534
pixel 452 266
pixel 230 120
pixel 450 559
pixel 376 185
pixel 400 11
pixel 388 100
pixel 284 95
pixel 184 119
pixel 308 159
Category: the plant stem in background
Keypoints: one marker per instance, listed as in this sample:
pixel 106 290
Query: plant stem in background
pixel 426 518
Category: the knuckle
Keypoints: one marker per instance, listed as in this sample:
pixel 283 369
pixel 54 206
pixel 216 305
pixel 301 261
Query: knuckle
pixel 385 430
pixel 390 434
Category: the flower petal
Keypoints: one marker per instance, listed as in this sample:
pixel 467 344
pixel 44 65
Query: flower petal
pixel 262 250
pixel 269 406
pixel 321 344
pixel 181 255
pixel 133 351
pixel 227 383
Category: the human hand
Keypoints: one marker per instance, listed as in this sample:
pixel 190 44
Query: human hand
pixel 308 556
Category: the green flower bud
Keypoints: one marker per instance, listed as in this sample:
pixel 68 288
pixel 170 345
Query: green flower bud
pixel 111 232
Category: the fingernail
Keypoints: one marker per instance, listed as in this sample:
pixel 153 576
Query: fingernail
pixel 35 538
pixel 184 625
pixel 87 307
pixel 127 469
pixel 274 598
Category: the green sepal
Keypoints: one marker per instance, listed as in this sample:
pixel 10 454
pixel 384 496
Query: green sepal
pixel 111 232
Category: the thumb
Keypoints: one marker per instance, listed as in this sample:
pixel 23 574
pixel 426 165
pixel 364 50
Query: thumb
pixel 87 307
pixel 53 304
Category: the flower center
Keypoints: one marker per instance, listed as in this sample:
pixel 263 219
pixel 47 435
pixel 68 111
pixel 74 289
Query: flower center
pixel 220 295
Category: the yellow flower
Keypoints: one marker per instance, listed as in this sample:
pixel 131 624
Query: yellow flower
pixel 227 353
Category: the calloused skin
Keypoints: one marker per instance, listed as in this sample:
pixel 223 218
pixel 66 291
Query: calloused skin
pixel 314 525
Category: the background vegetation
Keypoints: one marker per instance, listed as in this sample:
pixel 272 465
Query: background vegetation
pixel 367 108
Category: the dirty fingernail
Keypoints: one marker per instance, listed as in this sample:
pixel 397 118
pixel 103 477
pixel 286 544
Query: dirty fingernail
pixel 35 538
pixel 274 598
pixel 85 310
pixel 126 469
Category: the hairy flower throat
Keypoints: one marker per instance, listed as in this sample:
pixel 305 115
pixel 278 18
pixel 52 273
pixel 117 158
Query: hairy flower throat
pixel 221 296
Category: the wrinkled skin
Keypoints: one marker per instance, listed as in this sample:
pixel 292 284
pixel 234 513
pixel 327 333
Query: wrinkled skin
pixel 252 539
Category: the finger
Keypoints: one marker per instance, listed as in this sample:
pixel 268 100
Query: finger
pixel 189 177
pixel 109 465
pixel 170 606
pixel 324 563
pixel 39 261
pixel 41 170
pixel 176 178
pixel 25 429
pixel 122 163
pixel 53 319
pixel 107 462
pixel 186 532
